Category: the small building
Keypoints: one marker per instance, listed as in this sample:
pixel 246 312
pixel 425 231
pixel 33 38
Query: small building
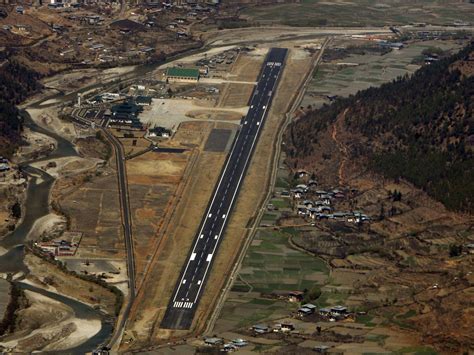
pixel 143 100
pixel 295 296
pixel 310 306
pixel 308 203
pixel 229 347
pixel 260 328
pixel 322 349
pixel 287 327
pixel 338 310
pixel 325 312
pixel 303 311
pixel 159 132
pixel 213 341
pixel 339 215
pixel 182 75
pixel 239 342
pixel 302 210
pixel 4 167
pixel 302 187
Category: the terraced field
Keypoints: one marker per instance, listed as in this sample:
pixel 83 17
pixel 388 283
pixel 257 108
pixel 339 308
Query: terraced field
pixel 271 265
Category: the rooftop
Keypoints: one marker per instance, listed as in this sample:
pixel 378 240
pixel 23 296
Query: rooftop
pixel 183 72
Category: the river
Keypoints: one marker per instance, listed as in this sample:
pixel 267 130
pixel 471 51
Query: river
pixel 37 206
pixel 37 200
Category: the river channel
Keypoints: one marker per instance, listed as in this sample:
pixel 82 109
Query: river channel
pixel 37 206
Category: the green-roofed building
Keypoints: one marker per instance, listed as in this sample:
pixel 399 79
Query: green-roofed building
pixel 186 75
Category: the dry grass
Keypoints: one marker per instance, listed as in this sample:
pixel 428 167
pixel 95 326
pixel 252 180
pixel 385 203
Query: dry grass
pixel 153 179
pixel 176 239
pixel 84 291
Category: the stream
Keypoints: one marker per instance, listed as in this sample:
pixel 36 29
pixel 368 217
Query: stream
pixel 37 206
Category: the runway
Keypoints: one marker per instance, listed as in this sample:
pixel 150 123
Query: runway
pixel 192 280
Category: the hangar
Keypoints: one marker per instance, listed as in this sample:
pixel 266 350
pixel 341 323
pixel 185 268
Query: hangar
pixel 183 75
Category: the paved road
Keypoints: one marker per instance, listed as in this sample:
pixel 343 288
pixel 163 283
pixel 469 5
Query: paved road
pixel 127 230
pixel 188 290
pixel 126 219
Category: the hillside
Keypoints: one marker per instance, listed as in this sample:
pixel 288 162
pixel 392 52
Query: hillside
pixel 417 128
pixel 17 83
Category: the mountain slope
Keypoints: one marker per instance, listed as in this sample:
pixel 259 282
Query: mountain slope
pixel 17 83
pixel 419 128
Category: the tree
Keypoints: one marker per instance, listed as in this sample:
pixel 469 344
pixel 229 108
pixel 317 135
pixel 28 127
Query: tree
pixel 16 210
pixel 312 294
pixel 455 250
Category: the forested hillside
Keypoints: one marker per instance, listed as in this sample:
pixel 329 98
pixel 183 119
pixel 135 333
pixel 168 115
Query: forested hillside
pixel 17 83
pixel 420 128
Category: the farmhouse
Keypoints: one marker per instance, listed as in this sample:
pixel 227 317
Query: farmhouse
pixel 182 75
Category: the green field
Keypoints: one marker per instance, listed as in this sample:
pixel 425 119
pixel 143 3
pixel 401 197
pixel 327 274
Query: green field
pixel 270 265
pixel 281 202
pixel 369 70
pixel 361 13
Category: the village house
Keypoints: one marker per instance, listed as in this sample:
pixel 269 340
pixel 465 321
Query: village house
pixel 303 311
pixel 260 329
pixel 213 341
pixel 295 296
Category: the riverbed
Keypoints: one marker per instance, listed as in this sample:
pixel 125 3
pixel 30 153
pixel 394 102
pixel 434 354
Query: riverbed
pixel 37 205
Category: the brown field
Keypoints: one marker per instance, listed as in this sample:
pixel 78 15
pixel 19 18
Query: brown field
pixel 175 237
pixel 85 291
pixel 153 179
pixel 245 68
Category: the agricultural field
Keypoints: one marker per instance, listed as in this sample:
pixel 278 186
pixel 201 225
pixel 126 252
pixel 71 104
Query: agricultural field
pixel 360 13
pixel 270 265
pixel 346 76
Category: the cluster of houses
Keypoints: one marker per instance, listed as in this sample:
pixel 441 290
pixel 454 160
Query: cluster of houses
pixel 58 248
pixel 227 57
pixel 159 132
pixel 330 314
pixel 227 347
pixel 321 207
